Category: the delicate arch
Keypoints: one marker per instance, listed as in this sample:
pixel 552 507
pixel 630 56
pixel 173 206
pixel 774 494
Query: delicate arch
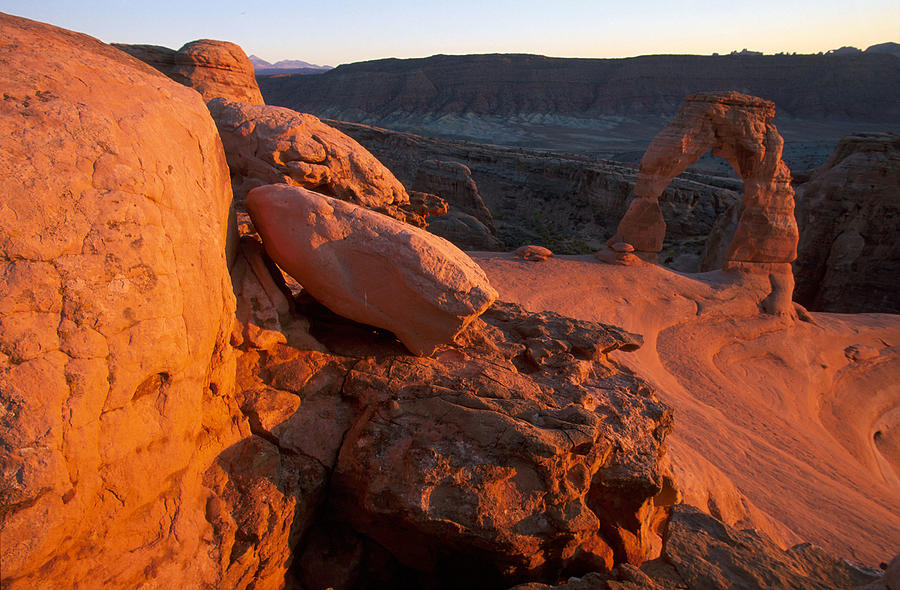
pixel 736 127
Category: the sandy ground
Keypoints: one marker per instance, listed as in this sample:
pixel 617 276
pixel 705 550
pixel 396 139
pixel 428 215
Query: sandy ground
pixel 788 426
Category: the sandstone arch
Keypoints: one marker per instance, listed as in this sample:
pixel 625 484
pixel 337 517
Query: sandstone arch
pixel 739 128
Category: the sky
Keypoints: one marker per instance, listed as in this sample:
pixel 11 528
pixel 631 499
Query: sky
pixel 332 32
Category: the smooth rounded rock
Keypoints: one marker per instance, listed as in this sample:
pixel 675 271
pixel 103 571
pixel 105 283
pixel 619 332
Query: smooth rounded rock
pixel 370 268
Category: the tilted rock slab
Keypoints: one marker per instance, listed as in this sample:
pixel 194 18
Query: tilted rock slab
pixel 212 68
pixel 115 314
pixel 268 145
pixel 370 268
pixel 738 128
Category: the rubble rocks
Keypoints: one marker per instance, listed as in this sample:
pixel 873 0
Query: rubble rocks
pixel 371 268
pixel 700 552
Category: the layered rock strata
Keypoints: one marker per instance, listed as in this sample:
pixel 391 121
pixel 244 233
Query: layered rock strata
pixel 371 268
pixel 115 315
pixel 849 257
pixel 212 68
pixel 738 128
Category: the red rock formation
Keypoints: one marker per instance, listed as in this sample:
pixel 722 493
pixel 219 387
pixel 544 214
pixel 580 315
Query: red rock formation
pixel 849 256
pixel 212 68
pixel 453 182
pixel 701 552
pixel 774 419
pixel 588 196
pixel 533 253
pixel 738 128
pixel 523 452
pixel 267 145
pixel 116 309
pixel 370 268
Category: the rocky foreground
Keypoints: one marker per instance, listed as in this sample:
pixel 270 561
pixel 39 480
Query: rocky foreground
pixel 176 412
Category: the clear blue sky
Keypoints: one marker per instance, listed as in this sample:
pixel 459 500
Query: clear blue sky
pixel 339 31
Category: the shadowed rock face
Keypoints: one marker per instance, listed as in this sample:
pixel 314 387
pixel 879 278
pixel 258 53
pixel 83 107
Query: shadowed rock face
pixel 212 68
pixel 523 451
pixel 848 213
pixel 453 182
pixel 699 552
pixel 564 202
pixel 115 313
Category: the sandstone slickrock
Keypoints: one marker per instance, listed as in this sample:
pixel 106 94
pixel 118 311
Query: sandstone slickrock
pixel 116 310
pixel 739 128
pixel 775 419
pixel 370 268
pixel 267 145
pixel 848 213
pixel 212 68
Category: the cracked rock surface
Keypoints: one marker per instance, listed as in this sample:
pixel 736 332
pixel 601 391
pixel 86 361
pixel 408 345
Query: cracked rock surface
pixel 115 311
pixel 522 450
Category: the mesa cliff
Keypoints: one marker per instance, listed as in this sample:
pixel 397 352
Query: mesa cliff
pixel 606 107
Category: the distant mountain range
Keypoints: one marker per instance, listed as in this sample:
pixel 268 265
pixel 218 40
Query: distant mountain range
pixel 605 106
pixel 286 66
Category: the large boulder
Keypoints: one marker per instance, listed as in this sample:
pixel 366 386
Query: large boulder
pixel 268 145
pixel 369 267
pixel 115 315
pixel 212 68
pixel 849 255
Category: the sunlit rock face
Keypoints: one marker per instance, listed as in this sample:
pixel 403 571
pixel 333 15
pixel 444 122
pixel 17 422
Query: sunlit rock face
pixel 266 145
pixel 115 307
pixel 371 268
pixel 212 68
pixel 738 128
pixel 849 256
